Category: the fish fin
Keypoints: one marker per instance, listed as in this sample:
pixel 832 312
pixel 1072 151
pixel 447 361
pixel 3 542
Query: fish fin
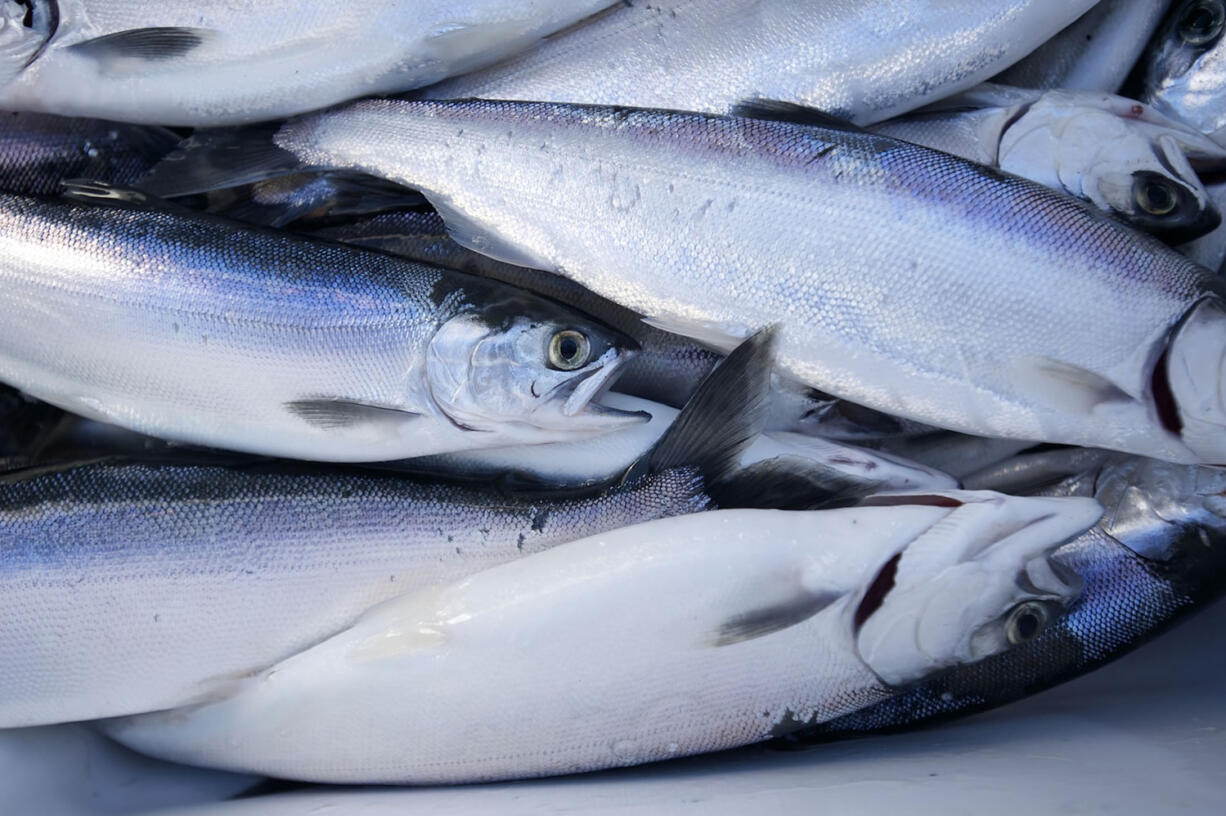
pixel 786 483
pixel 771 618
pixel 779 111
pixel 332 414
pixel 218 159
pixel 723 416
pixel 719 336
pixel 471 235
pixel 101 193
pixel 1066 386
pixel 149 44
pixel 150 142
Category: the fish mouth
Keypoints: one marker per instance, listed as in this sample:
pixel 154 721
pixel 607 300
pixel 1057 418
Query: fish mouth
pixel 581 392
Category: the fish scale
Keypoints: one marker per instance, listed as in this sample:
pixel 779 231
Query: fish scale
pixel 901 278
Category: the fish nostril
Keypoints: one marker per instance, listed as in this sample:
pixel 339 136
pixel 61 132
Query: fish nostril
pixel 877 590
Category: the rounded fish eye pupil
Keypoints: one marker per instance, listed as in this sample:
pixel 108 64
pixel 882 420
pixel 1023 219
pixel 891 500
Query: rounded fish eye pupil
pixel 568 350
pixel 1025 623
pixel 1156 197
pixel 1202 21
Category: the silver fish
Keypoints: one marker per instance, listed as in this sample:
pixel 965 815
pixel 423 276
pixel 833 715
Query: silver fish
pixel 1183 73
pixel 1117 153
pixel 1210 250
pixel 642 644
pixel 1157 556
pixel 210 62
pixel 861 61
pixel 38 151
pixel 884 272
pixel 197 330
pixel 133 587
pixel 1095 53
pixel 666 368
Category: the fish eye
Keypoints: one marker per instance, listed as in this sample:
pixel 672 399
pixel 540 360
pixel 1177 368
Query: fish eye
pixel 1155 195
pixel 1025 622
pixel 568 350
pixel 1201 22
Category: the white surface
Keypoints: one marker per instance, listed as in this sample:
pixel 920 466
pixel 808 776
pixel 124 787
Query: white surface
pixel 1146 735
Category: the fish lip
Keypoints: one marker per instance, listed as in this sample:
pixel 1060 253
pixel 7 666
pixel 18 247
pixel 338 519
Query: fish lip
pixel 581 392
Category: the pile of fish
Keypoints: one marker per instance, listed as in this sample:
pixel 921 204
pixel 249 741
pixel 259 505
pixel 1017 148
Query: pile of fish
pixel 595 383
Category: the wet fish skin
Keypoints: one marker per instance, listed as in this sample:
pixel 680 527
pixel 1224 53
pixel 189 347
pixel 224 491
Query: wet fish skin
pixel 1094 53
pixel 663 212
pixel 639 644
pixel 1183 72
pixel 38 151
pixel 209 64
pixel 1114 152
pixel 861 61
pixel 1157 556
pixel 196 330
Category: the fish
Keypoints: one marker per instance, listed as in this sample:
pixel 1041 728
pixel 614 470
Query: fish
pixel 642 644
pixel 1094 53
pixel 198 330
pixel 1114 152
pixel 860 61
pixel 665 368
pixel 192 64
pixel 1157 556
pixel 884 272
pixel 1210 250
pixel 1183 71
pixel 38 151
pixel 133 586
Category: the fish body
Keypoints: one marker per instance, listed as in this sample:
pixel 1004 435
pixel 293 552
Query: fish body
pixel 1094 53
pixel 1120 155
pixel 197 330
pixel 232 61
pixel 131 587
pixel 640 644
pixel 861 61
pixel 1157 556
pixel 38 151
pixel 901 278
pixel 1183 72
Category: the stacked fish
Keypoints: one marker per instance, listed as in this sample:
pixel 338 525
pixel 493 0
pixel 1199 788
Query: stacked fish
pixel 644 380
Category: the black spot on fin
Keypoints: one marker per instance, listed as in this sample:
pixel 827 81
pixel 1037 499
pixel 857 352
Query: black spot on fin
pixel 773 618
pixel 150 44
pixel 332 414
pixel 219 159
pixel 787 483
pixel 774 110
pixel 723 416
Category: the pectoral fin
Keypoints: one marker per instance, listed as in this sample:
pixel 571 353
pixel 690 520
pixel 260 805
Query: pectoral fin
pixel 1066 386
pixel 333 414
pixel 149 44
pixel 775 617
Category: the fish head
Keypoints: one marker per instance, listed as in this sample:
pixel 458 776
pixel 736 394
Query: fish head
pixel 980 582
pixel 1184 73
pixel 26 27
pixel 1189 381
pixel 532 373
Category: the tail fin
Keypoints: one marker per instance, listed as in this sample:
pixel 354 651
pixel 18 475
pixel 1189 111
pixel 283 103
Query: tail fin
pixel 722 417
pixel 218 159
